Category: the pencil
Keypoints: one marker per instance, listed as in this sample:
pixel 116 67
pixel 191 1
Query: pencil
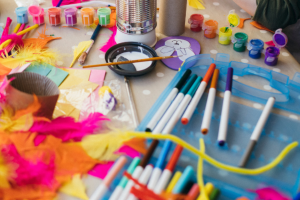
pixel 130 61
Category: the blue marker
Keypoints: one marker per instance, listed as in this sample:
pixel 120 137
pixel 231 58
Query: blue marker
pixel 186 176
pixel 159 166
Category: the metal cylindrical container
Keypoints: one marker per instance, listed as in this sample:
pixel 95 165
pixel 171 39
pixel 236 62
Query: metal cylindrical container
pixel 136 16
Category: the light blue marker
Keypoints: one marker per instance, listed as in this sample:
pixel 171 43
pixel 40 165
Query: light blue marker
pixel 186 176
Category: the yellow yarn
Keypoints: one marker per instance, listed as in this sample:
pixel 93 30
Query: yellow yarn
pixel 203 195
pixel 212 161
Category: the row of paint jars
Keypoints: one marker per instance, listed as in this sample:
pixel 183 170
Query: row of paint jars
pixel 87 15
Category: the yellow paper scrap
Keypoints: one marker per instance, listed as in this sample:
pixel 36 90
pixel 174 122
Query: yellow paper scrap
pixel 83 74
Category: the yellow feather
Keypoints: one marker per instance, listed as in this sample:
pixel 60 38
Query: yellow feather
pixel 103 146
pixel 3 174
pixel 82 46
pixel 197 4
pixel 75 188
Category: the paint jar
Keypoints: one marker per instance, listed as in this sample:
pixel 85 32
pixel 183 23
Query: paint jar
pixel 71 16
pixel 37 14
pixel 22 15
pixel 271 56
pixel 54 16
pixel 272 53
pixel 225 35
pixel 104 16
pixel 87 15
pixel 239 41
pixel 255 47
pixel 196 21
pixel 210 28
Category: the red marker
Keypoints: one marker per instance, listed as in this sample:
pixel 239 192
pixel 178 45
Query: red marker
pixel 167 173
pixel 192 106
pixel 193 193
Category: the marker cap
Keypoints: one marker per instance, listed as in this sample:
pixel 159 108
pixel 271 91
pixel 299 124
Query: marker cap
pixel 174 158
pixel 229 79
pixel 189 84
pixel 195 86
pixel 183 78
pixel 209 72
pixel 215 78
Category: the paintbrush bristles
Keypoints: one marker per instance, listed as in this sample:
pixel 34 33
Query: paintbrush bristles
pixel 130 61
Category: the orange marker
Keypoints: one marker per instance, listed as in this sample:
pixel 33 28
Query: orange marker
pixel 192 106
pixel 210 103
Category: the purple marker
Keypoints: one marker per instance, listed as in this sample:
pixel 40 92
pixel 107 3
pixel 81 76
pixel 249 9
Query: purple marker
pixel 71 16
pixel 225 109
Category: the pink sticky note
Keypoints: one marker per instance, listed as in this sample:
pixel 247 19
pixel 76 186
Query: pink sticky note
pixel 19 69
pixel 90 104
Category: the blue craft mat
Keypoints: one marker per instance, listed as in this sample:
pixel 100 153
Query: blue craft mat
pixel 279 132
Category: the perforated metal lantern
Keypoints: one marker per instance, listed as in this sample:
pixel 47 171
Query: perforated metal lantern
pixel 136 16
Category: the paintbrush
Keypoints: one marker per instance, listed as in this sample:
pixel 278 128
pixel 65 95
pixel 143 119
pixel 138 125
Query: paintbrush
pixel 83 56
pixel 130 61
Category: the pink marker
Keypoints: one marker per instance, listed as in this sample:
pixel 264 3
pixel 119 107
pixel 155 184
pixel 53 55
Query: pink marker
pixel 103 187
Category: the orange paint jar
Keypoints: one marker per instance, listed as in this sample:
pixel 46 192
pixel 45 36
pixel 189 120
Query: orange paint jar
pixel 87 15
pixel 210 28
pixel 54 16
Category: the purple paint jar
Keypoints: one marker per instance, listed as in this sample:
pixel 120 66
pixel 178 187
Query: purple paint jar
pixel 272 53
pixel 71 16
pixel 271 56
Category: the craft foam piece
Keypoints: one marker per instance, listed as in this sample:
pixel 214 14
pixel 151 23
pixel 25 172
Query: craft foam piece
pixel 56 75
pixel 179 45
pixel 42 70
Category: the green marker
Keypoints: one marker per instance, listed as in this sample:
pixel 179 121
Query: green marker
pixel 117 192
pixel 214 194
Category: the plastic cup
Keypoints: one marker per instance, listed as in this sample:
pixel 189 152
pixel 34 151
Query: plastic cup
pixel 87 15
pixel 22 15
pixel 71 16
pixel 239 41
pixel 196 21
pixel 54 16
pixel 210 28
pixel 104 16
pixel 225 35
pixel 37 14
pixel 255 47
pixel 271 56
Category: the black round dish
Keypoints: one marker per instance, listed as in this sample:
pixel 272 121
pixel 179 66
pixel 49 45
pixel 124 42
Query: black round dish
pixel 114 51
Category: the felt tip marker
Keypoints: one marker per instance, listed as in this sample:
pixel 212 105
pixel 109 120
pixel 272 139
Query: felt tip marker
pixel 159 165
pixel 193 193
pixel 103 187
pixel 225 109
pixel 210 102
pixel 139 170
pixel 143 179
pixel 162 109
pixel 257 130
pixel 167 173
pixel 118 190
pixel 209 187
pixel 186 176
pixel 191 108
pixel 173 182
pixel 182 106
pixel 174 105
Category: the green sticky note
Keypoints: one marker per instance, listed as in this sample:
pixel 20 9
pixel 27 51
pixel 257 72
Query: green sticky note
pixel 39 69
pixel 57 75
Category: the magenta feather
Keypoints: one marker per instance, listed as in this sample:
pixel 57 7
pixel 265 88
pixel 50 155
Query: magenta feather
pixel 66 128
pixel 269 193
pixel 111 41
pixel 26 172
pixel 6 28
pixel 16 41
pixel 3 86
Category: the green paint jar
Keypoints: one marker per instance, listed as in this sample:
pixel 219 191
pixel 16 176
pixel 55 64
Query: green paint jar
pixel 104 16
pixel 239 41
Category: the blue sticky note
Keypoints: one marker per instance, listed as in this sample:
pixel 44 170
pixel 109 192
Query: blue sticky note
pixel 41 69
pixel 57 75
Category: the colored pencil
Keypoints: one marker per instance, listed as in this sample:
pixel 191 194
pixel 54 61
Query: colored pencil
pixel 162 123
pixel 192 106
pixel 143 179
pixel 118 190
pixel 181 108
pixel 103 187
pixel 225 109
pixel 257 130
pixel 164 106
pixel 130 61
pixel 167 173
pixel 210 103
pixel 173 182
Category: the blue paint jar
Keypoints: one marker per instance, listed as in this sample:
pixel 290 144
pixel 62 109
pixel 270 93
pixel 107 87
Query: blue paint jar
pixel 22 15
pixel 255 47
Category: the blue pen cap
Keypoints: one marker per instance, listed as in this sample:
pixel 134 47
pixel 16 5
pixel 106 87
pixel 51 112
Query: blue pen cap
pixel 186 176
pixel 163 154
pixel 22 15
pixel 189 84
pixel 195 86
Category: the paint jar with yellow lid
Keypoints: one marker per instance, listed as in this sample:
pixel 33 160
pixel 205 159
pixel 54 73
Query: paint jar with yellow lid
pixel 225 34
